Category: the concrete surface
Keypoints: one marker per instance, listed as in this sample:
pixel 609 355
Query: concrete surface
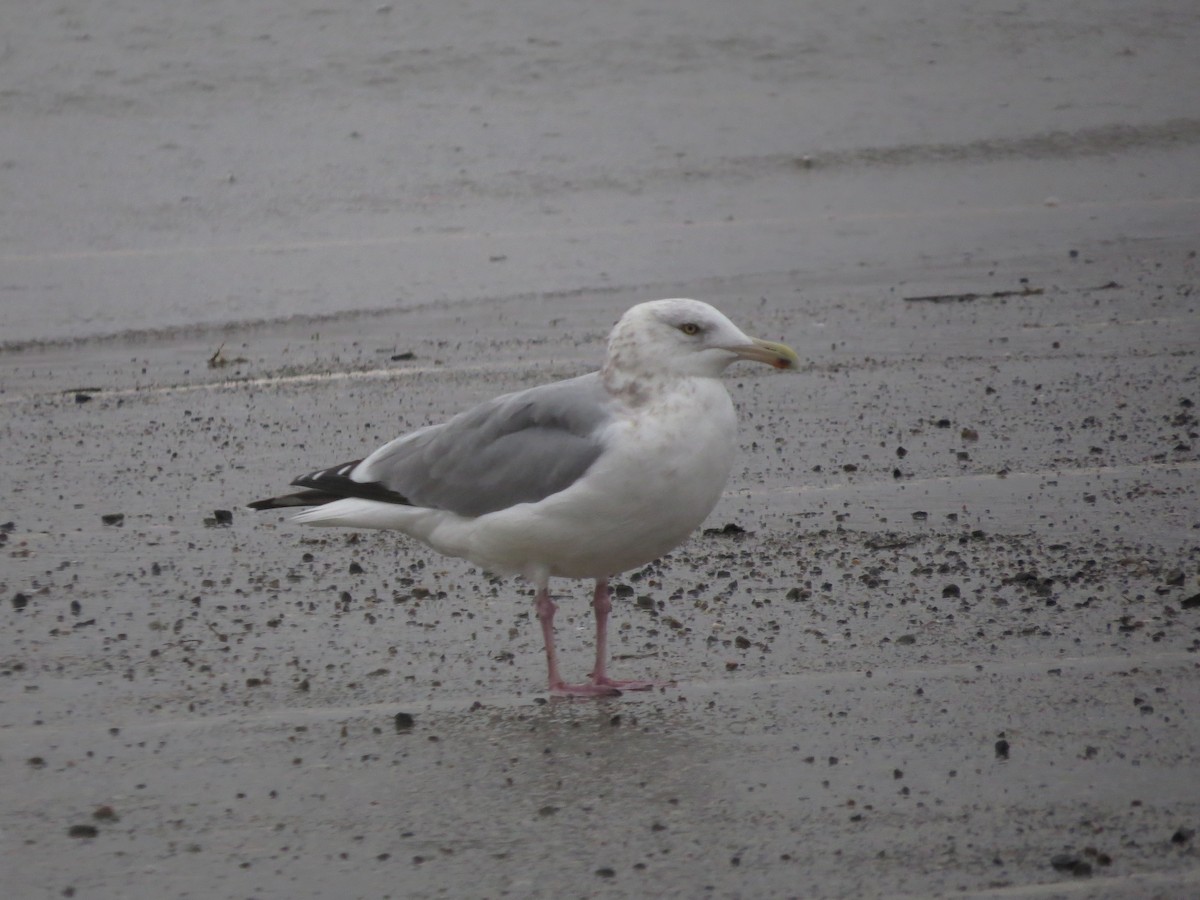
pixel 953 650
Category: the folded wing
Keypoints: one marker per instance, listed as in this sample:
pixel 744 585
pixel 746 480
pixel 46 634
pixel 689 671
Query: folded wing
pixel 518 448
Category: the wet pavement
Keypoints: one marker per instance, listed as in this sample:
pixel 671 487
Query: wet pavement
pixel 942 635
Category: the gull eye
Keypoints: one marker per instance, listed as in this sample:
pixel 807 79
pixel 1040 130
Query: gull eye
pixel 690 328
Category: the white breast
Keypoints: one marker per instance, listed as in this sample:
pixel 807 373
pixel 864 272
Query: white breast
pixel 664 468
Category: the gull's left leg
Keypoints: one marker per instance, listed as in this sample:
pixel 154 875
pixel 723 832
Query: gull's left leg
pixel 545 612
pixel 602 605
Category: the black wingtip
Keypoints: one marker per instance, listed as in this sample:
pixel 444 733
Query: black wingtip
pixel 300 498
pixel 337 483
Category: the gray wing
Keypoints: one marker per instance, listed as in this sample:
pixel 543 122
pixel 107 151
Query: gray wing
pixel 518 448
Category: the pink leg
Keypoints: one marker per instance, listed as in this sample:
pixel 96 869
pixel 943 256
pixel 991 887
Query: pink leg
pixel 545 613
pixel 602 605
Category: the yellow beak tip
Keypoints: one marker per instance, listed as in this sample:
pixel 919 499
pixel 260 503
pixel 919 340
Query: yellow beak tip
pixel 778 356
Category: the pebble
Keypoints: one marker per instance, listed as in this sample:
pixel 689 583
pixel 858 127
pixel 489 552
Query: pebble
pixel 728 528
pixel 404 721
pixel 1069 862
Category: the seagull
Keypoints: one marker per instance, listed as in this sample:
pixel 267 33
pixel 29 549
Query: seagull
pixel 582 478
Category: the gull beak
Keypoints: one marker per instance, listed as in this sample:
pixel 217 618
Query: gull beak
pixel 781 356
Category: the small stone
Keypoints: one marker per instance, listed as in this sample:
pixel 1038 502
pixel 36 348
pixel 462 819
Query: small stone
pixel 605 872
pixel 355 569
pixel 20 601
pixel 1183 835
pixel 729 528
pixel 742 642
pixel 1192 602
pixel 951 590
pixel 117 519
pixel 223 516
pixel 1001 749
pixel 1069 862
pixel 404 722
pixel 105 813
pixel 83 831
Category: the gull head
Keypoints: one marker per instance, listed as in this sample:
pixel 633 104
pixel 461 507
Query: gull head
pixel 684 338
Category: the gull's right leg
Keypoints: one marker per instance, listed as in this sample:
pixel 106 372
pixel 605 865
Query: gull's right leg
pixel 545 612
